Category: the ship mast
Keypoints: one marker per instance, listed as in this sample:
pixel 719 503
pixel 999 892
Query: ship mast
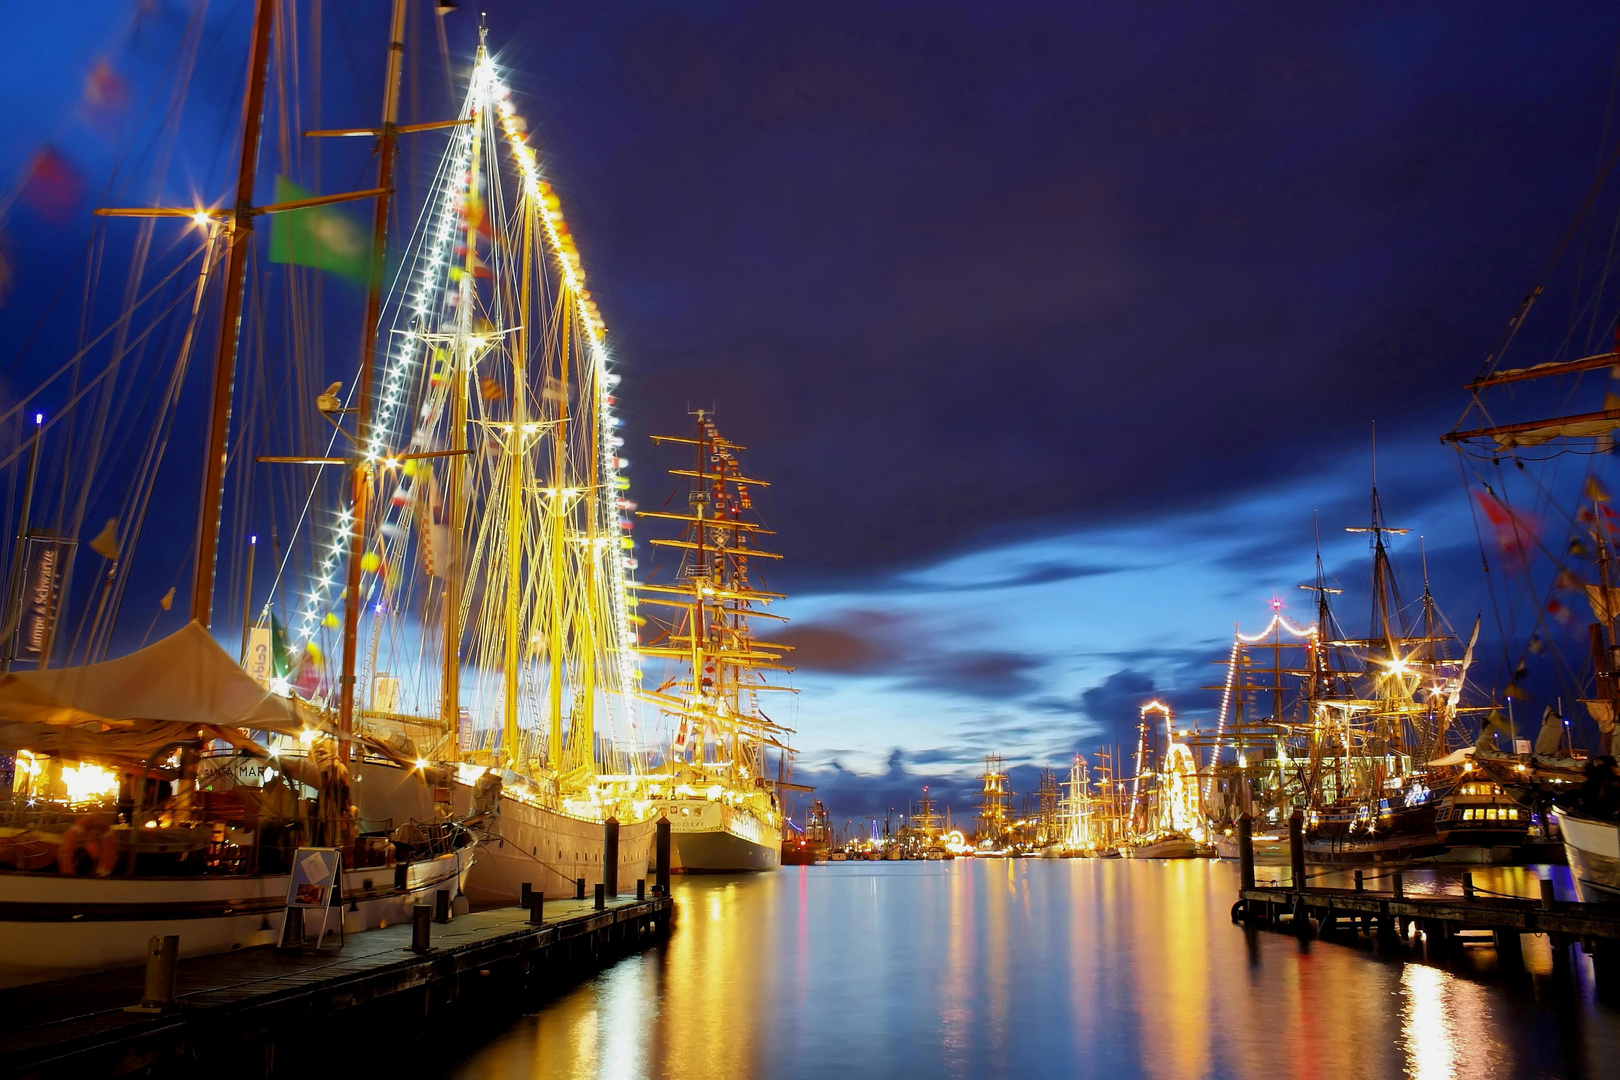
pixel 455 509
pixel 361 473
pixel 239 221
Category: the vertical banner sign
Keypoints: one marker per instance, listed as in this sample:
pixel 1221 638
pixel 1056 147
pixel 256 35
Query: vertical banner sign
pixel 42 587
pixel 256 661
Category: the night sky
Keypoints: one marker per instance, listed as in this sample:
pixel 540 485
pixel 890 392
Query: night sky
pixel 1052 324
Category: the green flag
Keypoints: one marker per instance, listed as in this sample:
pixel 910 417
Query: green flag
pixel 321 236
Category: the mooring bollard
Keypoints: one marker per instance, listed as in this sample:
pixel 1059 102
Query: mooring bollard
pixel 1547 896
pixel 663 856
pixel 601 896
pixel 579 888
pixel 537 907
pixel 1396 887
pixel 641 888
pixel 441 906
pixel 1361 882
pixel 1246 851
pixel 524 890
pixel 1296 848
pixel 1468 885
pixel 162 961
pixel 421 927
pixel 610 856
pixel 402 875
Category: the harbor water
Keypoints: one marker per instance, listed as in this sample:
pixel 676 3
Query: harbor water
pixel 1029 967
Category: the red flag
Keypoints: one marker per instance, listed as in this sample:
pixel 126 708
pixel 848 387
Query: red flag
pixel 51 185
pixel 1559 611
pixel 105 91
pixel 1515 533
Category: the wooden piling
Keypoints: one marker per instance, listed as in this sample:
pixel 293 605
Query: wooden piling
pixel 421 928
pixel 1245 827
pixel 1296 848
pixel 601 896
pixel 537 908
pixel 610 856
pixel 663 842
pixel 441 906
pixel 579 888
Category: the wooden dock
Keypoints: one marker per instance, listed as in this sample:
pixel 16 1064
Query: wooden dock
pixel 1441 923
pixel 237 1011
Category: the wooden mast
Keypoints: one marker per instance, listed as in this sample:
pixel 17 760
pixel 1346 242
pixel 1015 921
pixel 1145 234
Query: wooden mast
pixel 361 473
pixel 240 222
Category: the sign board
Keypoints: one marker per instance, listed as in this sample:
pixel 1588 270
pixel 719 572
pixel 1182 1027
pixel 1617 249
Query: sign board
pixel 256 659
pixel 314 884
pixel 1521 746
pixel 314 874
pixel 43 563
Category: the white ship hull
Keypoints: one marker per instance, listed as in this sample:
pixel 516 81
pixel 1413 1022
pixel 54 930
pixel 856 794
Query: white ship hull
pixel 716 838
pixel 1593 849
pixel 548 851
pixel 52 924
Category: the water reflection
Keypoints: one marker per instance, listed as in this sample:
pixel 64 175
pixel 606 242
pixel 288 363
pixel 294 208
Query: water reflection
pixel 997 968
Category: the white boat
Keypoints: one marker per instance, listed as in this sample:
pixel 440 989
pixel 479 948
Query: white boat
pixel 51 924
pixel 548 850
pixel 1593 849
pixel 88 873
pixel 1169 847
pixel 713 837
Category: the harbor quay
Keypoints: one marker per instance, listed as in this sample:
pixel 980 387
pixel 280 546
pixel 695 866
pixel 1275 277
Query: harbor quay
pixel 261 1012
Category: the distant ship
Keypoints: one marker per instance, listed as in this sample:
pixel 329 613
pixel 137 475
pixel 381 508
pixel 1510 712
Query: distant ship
pixel 808 846
pixel 722 806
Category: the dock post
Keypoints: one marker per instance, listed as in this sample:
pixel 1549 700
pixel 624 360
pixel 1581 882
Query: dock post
pixel 1396 886
pixel 1547 895
pixel 641 888
pixel 524 891
pixel 1296 848
pixel 610 856
pixel 162 960
pixel 1361 882
pixel 601 896
pixel 1509 949
pixel 537 906
pixel 1606 968
pixel 1246 851
pixel 1468 884
pixel 663 855
pixel 579 888
pixel 421 927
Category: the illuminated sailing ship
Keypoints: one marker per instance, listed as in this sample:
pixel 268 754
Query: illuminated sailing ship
pixel 723 809
pixel 493 580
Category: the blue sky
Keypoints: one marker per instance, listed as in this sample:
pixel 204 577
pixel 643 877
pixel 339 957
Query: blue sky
pixel 1052 323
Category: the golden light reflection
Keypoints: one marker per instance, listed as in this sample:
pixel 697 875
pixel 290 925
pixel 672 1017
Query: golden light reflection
pixel 1426 1029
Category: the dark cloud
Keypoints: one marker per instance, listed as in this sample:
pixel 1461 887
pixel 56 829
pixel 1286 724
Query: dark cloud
pixel 856 642
pixel 861 642
pixel 982 674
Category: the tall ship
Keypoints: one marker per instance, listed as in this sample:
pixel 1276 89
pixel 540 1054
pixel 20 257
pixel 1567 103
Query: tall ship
pixel 1535 441
pixel 167 790
pixel 993 832
pixel 714 783
pixel 1165 819
pixel 492 582
pixel 811 844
